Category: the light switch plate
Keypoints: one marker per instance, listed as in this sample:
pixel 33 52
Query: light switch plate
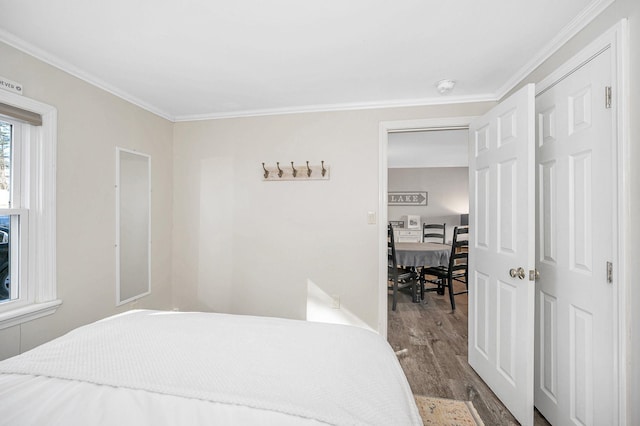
pixel 371 218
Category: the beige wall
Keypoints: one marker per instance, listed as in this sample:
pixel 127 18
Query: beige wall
pixel 91 123
pixel 620 9
pixel 246 246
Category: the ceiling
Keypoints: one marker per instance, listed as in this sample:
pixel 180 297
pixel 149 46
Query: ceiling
pixel 196 59
pixel 429 148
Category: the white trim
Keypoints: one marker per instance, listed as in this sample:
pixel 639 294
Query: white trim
pixel 28 313
pixel 577 24
pixel 386 127
pixel 624 217
pixel 399 103
pixel 42 214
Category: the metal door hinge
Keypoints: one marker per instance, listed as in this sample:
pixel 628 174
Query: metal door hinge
pixel 607 97
pixel 609 272
pixel 534 274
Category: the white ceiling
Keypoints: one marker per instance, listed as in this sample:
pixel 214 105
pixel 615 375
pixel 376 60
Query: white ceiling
pixel 195 59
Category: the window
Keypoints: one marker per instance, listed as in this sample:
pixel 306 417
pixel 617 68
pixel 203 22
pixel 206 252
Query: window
pixel 27 210
pixel 13 218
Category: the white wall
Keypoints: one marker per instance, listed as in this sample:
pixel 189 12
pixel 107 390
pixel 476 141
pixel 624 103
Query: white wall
pixel 242 245
pixel 91 123
pixel 612 15
pixel 447 194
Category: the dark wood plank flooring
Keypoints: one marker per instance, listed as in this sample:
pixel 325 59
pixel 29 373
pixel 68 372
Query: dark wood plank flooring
pixel 436 359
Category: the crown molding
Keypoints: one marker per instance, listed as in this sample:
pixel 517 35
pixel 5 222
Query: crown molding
pixel 576 25
pixel 65 66
pixel 399 103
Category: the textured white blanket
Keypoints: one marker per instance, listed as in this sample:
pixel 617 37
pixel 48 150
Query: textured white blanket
pixel 331 373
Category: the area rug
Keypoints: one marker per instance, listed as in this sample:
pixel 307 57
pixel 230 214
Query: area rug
pixel 447 412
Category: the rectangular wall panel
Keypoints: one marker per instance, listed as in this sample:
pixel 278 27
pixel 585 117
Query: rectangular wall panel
pixel 580 110
pixel 507 199
pixel 482 199
pixel 547 212
pixel 481 317
pixel 481 142
pixel 580 215
pixel 581 375
pixel 547 126
pixel 507 128
pixel 547 346
pixel 506 338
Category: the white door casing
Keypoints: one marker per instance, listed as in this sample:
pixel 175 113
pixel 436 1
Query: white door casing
pixel 577 235
pixel 501 217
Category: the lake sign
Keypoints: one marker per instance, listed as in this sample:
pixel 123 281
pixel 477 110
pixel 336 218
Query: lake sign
pixel 407 198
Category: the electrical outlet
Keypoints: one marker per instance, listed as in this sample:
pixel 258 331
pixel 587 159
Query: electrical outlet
pixel 335 301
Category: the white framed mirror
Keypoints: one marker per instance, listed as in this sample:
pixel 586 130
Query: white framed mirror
pixel 133 225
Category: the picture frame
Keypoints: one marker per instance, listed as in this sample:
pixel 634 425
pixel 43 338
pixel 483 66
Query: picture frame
pixel 413 221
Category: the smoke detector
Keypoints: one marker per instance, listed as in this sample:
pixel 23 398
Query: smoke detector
pixel 445 86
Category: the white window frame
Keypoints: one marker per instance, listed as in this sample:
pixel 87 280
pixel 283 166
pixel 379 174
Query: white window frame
pixel 38 296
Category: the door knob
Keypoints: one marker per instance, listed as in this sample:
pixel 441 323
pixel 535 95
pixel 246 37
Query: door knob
pixel 517 273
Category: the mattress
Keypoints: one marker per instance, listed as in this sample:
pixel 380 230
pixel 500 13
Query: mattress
pixel 173 368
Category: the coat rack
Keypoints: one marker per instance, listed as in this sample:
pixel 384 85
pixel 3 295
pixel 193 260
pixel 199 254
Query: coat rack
pixel 295 172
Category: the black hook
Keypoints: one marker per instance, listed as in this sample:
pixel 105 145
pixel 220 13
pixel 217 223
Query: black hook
pixel 324 171
pixel 295 172
pixel 266 172
pixel 308 170
pixel 279 170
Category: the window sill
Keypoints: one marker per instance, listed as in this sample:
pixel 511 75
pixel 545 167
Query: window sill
pixel 28 313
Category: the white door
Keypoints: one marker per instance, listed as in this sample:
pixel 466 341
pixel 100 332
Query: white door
pixel 502 210
pixel 575 376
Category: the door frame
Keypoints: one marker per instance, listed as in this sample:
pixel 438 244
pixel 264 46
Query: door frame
pixel 615 39
pixel 386 127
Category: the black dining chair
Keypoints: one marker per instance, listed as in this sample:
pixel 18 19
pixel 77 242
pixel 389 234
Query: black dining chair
pixel 456 270
pixel 433 232
pixel 399 276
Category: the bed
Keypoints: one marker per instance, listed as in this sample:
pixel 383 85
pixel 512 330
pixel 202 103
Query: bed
pixel 190 368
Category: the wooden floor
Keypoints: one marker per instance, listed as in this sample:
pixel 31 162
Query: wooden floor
pixel 436 359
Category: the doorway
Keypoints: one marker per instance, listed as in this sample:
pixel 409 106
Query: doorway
pixel 433 164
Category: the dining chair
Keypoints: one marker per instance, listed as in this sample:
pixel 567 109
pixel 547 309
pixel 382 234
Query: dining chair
pixel 456 270
pixel 399 276
pixel 433 232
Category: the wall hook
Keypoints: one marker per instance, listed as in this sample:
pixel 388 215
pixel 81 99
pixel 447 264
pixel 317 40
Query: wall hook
pixel 295 172
pixel 266 172
pixel 280 172
pixel 308 170
pixel 324 171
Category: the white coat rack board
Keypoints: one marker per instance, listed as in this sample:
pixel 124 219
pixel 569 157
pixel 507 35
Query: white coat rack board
pixel 291 171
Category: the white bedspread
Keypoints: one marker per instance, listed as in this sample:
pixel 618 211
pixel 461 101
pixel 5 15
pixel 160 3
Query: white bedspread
pixel 327 373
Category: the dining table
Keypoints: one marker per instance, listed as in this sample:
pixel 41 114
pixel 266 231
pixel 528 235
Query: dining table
pixel 423 254
pixel 418 255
